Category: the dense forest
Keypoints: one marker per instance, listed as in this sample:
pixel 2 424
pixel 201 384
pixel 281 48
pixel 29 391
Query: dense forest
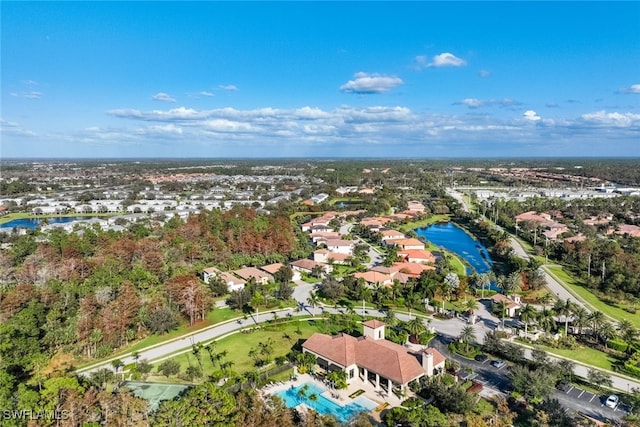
pixel 82 295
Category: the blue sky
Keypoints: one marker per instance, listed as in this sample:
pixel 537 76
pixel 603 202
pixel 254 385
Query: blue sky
pixel 328 79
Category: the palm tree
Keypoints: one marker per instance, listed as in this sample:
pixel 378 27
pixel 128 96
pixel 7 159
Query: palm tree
pixel 390 318
pixel 313 300
pixel 606 332
pixel 467 336
pixel 545 299
pixel 444 289
pixel 416 327
pixel 580 318
pixel 564 309
pixel 527 314
pixel 483 280
pixel 628 333
pixel 471 305
pixel 597 319
pixel 545 320
pixel 513 284
pixel 411 301
pixel 117 364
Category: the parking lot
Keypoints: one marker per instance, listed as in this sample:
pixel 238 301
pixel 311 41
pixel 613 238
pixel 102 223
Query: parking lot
pixel 593 399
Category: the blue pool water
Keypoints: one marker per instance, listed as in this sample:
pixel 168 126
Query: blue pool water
pixel 33 223
pixel 456 240
pixel 324 406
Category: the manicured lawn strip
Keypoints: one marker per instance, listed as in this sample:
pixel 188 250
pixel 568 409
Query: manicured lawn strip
pixel 584 294
pixel 282 376
pixel 24 215
pixel 239 344
pixel 214 317
pixel 423 223
pixel 345 199
pixel 12 216
pixel 586 355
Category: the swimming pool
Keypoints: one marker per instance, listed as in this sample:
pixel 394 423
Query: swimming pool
pixel 293 397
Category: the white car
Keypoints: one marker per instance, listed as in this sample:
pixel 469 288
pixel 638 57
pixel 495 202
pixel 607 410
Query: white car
pixel 612 401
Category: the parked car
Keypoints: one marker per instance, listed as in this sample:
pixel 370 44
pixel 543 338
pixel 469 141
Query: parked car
pixel 481 358
pixel 612 401
pixel 563 385
pixel 498 363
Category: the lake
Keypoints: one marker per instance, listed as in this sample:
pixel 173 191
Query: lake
pixel 456 240
pixel 33 223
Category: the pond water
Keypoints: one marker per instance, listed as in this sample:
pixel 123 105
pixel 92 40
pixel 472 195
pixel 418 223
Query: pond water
pixel 33 223
pixel 456 240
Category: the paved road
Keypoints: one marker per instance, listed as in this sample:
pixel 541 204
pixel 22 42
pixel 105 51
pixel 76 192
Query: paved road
pixel 496 380
pixel 554 286
pixel 459 197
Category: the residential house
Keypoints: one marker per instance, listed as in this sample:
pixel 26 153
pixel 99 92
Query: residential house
pixel 340 246
pixel 233 283
pixel 272 268
pixel 512 303
pixel 391 235
pixel 324 256
pixel 405 244
pixel 415 206
pixel 247 273
pixel 418 255
pixel 307 265
pixel 412 269
pixel 373 359
pixel 630 230
pixel 374 278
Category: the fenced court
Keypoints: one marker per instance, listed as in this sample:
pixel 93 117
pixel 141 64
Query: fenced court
pixel 154 393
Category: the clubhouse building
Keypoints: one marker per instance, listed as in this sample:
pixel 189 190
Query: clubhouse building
pixel 372 358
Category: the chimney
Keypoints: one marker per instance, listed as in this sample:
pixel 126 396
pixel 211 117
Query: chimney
pixel 427 363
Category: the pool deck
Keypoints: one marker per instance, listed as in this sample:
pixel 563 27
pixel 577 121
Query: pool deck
pixel 341 397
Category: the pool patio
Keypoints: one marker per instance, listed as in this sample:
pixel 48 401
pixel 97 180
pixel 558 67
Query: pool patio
pixel 341 397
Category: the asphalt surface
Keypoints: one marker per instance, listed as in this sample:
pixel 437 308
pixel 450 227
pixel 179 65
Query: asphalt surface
pixel 574 399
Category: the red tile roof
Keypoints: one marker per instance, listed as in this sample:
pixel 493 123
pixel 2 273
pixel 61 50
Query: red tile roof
pixel 383 357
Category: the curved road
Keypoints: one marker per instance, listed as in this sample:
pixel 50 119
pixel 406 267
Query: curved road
pixel 554 286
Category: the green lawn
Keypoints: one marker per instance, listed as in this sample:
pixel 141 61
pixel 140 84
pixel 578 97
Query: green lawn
pixel 215 316
pixel 345 199
pixel 583 293
pixel 23 215
pixel 12 216
pixel 423 223
pixel 586 355
pixel 238 346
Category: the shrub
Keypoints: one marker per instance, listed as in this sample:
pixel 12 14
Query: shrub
pixel 617 344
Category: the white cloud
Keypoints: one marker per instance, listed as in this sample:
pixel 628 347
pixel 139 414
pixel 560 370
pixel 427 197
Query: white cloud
pixel 477 103
pixel 614 119
pixel 445 59
pixel 205 93
pixel 14 129
pixel 365 83
pixel 472 102
pixel 361 125
pixel 633 89
pixel 484 73
pixel 531 116
pixel 27 95
pixel 228 87
pixel 161 96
